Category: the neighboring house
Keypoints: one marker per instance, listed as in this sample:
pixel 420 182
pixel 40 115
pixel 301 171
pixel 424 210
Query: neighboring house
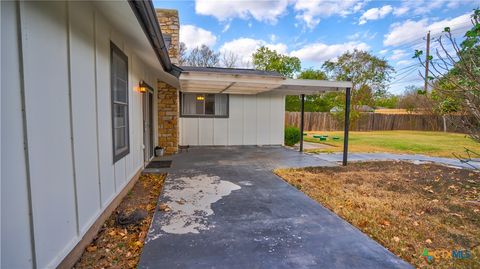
pixel 88 90
pixel 336 109
pixel 364 108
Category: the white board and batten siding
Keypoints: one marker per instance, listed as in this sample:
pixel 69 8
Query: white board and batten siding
pixel 253 120
pixel 66 176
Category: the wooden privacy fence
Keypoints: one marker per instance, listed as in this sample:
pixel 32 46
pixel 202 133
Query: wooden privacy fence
pixel 325 121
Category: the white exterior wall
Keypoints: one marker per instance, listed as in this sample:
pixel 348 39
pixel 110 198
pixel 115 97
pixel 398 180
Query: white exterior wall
pixel 57 63
pixel 253 120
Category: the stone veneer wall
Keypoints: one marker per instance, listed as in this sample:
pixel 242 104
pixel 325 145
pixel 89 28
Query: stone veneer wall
pixel 170 26
pixel 168 117
pixel 168 96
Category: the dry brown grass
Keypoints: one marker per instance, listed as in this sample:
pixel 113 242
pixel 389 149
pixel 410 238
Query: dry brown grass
pixel 403 206
pixel 117 246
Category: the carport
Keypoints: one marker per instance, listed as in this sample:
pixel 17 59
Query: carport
pixel 235 81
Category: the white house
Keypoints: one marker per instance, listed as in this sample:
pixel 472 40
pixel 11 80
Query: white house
pixel 68 70
pixel 88 90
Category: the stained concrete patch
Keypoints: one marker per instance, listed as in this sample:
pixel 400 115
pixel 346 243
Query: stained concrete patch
pixel 190 201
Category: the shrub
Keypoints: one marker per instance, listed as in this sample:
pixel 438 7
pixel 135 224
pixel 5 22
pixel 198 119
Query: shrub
pixel 292 136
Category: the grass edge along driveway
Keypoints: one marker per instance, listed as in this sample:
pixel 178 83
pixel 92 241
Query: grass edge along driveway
pixel 438 144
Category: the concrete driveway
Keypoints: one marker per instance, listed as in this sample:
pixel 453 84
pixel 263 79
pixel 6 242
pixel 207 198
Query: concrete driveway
pixel 228 210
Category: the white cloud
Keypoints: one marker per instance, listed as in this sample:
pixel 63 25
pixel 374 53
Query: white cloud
pixel 267 11
pixel 194 36
pixel 420 7
pixel 375 14
pixel 383 51
pixel 405 62
pixel 398 54
pixel 365 35
pixel 311 11
pixel 245 47
pixel 412 31
pixel 400 11
pixel 320 52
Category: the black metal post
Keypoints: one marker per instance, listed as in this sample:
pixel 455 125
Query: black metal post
pixel 347 125
pixel 302 116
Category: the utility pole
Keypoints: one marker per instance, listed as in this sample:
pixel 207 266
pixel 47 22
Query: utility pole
pixel 427 61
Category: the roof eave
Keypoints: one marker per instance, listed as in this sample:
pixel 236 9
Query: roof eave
pixel 146 16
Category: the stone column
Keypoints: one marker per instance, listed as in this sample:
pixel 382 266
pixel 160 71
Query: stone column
pixel 168 96
pixel 168 111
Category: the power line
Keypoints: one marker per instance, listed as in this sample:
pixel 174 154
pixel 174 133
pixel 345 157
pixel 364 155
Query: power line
pixel 417 42
pixel 398 80
pixel 408 70
pixel 406 82
pixel 406 67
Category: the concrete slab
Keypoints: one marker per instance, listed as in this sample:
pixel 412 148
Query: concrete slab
pixel 228 210
pixel 313 146
pixel 416 158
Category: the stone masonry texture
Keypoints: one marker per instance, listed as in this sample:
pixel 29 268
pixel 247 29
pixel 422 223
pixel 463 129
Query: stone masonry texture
pixel 170 26
pixel 168 96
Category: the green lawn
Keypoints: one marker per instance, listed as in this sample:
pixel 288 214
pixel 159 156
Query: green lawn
pixel 412 142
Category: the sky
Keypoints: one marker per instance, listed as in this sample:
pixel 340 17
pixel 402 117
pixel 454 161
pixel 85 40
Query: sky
pixel 320 30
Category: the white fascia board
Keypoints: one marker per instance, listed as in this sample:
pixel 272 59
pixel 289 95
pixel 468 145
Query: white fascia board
pixel 317 83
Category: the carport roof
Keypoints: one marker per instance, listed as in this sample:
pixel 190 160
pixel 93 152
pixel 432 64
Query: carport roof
pixel 251 81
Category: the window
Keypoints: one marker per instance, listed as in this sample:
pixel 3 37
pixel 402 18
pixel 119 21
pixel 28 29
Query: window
pixel 204 105
pixel 119 91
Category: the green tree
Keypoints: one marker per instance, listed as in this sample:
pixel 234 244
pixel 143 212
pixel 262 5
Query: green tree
pixel 361 68
pixel 313 103
pixel 271 60
pixel 369 76
pixel 387 101
pixel 313 74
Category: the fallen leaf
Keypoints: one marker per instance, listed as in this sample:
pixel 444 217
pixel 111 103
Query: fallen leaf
pixel 164 207
pixel 385 223
pixel 91 248
pixel 428 241
pixel 456 215
pixel 396 239
pixel 415 223
pixel 428 189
